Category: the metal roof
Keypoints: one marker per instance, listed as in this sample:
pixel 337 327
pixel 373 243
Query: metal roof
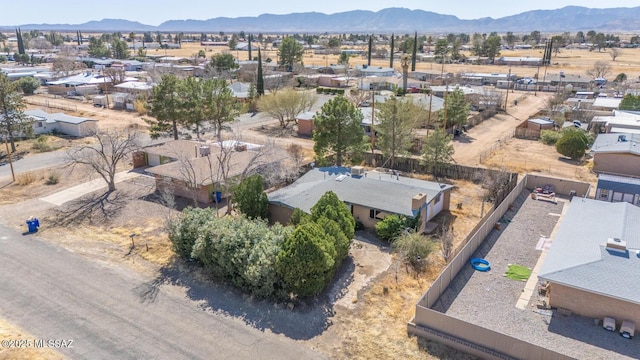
pixel 578 258
pixel 374 190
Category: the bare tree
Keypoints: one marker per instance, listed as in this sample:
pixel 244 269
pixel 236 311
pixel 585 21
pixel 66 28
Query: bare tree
pixel 358 97
pixel 285 105
pixel 615 52
pixel 446 243
pixel 115 76
pixel 112 148
pixel 600 69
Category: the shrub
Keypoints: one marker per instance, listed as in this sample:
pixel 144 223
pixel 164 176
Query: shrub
pixel 414 249
pixel 53 178
pixel 251 199
pixel 299 217
pixel 183 232
pixel 306 261
pixel 390 227
pixel 41 144
pixel 549 137
pixel 331 207
pixel 28 85
pixel 573 144
pixel 140 107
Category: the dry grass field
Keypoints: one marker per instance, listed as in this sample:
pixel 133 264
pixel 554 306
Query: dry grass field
pixel 571 61
pixel 10 332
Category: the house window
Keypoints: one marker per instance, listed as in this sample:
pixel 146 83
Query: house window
pixel 40 124
pixel 375 214
pixel 436 199
pixel 604 194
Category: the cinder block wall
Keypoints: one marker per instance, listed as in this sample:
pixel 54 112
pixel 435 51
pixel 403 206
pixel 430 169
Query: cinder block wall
pixel 593 305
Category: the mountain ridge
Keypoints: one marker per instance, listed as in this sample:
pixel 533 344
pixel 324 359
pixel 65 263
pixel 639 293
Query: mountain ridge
pixel 393 19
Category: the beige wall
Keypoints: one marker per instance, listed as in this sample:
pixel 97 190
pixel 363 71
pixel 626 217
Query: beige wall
pixel 178 188
pixel 280 214
pixel 623 164
pixel 561 186
pixel 305 127
pixel 593 305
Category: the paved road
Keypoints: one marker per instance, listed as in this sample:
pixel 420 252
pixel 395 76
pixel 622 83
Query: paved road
pixel 55 294
pixel 32 162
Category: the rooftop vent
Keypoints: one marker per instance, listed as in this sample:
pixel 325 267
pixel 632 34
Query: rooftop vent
pixel 341 177
pixel 616 245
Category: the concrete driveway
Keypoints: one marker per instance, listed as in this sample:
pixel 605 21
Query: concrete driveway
pixel 111 312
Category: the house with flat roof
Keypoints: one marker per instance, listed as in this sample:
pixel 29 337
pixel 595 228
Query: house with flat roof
pixel 370 195
pixel 617 154
pixel 606 103
pixel 45 123
pixel 198 170
pixel 615 188
pixel 619 122
pixel 593 265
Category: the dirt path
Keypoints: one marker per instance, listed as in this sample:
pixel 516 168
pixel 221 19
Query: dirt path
pixel 498 128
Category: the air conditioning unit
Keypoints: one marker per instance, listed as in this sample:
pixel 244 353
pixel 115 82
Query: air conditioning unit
pixel 616 245
pixel 357 171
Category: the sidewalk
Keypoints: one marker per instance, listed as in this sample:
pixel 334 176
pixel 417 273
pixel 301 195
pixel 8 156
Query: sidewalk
pixel 77 191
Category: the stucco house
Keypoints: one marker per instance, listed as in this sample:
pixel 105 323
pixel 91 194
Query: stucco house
pixel 593 265
pixel 45 123
pixel 617 154
pixel 614 188
pixel 198 170
pixel 370 195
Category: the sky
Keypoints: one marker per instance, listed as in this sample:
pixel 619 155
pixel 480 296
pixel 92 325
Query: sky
pixel 13 12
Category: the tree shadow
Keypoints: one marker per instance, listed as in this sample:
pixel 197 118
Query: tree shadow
pixel 296 319
pixel 93 208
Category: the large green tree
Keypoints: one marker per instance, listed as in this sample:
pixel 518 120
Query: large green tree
pixel 119 49
pixel 331 207
pixel 290 53
pixel 97 48
pixel 220 65
pixel 166 106
pixel 306 261
pixel 573 144
pixel 438 150
pixel 456 109
pixel 338 131
pixel 250 197
pixel 260 76
pixel 630 102
pixel 12 118
pixel 397 119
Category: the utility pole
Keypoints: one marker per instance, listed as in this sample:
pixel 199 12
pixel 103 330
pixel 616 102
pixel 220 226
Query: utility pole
pixel 506 98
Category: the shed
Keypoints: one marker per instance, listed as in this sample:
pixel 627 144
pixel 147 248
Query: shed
pixel 540 124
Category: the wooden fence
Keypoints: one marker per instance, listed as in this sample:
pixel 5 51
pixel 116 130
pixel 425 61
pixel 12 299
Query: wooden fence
pixel 51 104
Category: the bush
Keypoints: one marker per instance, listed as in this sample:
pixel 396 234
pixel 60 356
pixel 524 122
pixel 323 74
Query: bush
pixel 306 261
pixel 183 232
pixel 299 217
pixel 28 85
pixel 140 107
pixel 53 178
pixel 550 137
pixel 331 207
pixel 414 249
pixel 251 199
pixel 390 227
pixel 573 144
pixel 41 144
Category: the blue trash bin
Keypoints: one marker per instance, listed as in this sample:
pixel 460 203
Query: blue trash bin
pixel 218 196
pixel 33 224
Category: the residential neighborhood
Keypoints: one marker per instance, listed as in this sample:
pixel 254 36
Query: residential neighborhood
pixel 250 187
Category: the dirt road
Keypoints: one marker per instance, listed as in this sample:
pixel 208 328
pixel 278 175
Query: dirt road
pixel 498 128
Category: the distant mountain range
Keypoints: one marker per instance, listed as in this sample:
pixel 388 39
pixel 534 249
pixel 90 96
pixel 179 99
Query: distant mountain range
pixel 399 20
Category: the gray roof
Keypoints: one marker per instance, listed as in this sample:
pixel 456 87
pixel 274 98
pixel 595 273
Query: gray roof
pixel 380 191
pixel 578 257
pixel 607 102
pixel 541 121
pixel 57 117
pixel 616 143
